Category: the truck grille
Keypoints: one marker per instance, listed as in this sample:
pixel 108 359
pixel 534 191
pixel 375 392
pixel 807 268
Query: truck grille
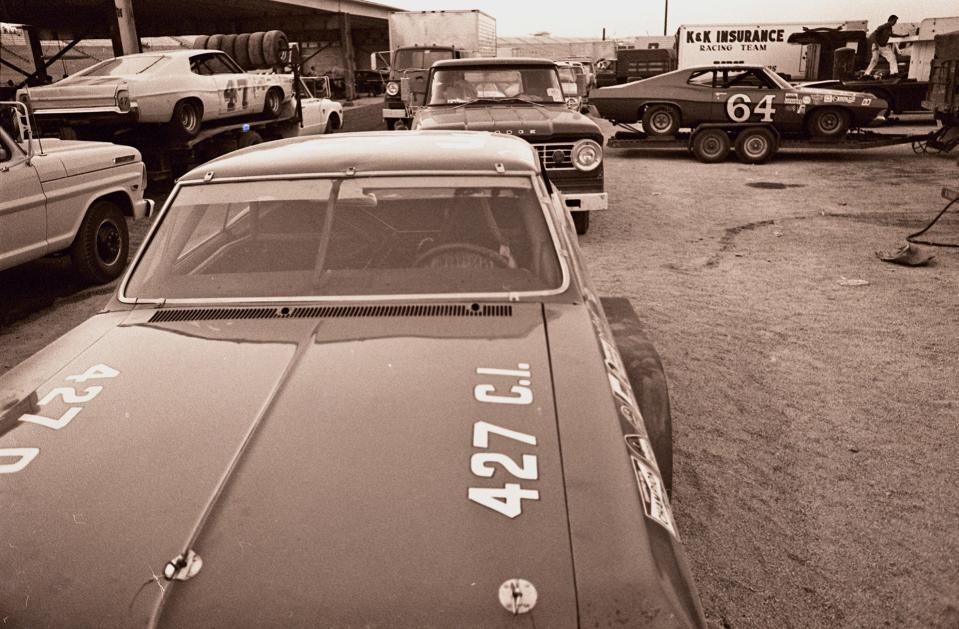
pixel 548 154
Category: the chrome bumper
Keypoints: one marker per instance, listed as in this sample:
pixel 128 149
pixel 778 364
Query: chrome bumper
pixel 394 113
pixel 143 209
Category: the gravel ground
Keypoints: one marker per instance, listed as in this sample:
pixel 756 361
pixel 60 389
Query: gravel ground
pixel 816 430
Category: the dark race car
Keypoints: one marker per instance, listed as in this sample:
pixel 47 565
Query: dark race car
pixel 735 94
pixel 349 381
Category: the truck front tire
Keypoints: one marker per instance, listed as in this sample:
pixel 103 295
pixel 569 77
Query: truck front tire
pixel 102 245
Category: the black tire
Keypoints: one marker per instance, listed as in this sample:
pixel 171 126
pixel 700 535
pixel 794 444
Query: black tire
pixel 711 146
pixel 102 244
pixel 200 42
pixel 275 48
pixel 661 120
pixel 273 102
pixel 229 40
pixel 241 50
pixel 391 124
pixel 581 221
pixel 250 138
pixel 187 119
pixel 215 42
pixel 644 370
pixel 756 145
pixel 828 122
pixel 255 50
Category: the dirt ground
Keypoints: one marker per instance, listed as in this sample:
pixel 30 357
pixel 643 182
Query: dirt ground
pixel 816 425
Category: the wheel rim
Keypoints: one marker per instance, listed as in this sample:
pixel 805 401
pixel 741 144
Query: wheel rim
pixel 756 146
pixel 711 146
pixel 829 122
pixel 109 244
pixel 273 102
pixel 188 117
pixel 662 121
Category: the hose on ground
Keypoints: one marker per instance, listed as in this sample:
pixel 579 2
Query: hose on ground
pixel 913 238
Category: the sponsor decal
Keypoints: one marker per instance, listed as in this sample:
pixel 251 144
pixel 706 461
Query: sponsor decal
pixel 655 502
pixel 791 99
pixel 806 100
pixel 640 446
pixel 866 102
pixel 828 98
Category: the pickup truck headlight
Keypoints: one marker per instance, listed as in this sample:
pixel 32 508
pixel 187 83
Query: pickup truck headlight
pixel 392 89
pixel 587 155
pixel 123 100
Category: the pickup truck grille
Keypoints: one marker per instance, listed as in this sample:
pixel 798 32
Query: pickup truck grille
pixel 548 153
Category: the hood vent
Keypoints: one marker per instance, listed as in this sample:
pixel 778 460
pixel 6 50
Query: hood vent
pixel 331 312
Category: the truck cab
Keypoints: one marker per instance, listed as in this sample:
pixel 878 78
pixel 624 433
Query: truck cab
pixel 522 97
pixel 411 63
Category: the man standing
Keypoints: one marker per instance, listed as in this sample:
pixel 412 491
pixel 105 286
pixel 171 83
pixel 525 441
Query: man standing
pixel 879 39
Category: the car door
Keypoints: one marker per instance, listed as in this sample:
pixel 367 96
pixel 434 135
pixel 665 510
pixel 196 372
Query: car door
pixel 748 95
pixel 233 89
pixel 698 101
pixel 23 207
pixel 314 111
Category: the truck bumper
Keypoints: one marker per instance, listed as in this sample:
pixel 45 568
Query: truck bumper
pixel 143 209
pixel 585 201
pixel 394 113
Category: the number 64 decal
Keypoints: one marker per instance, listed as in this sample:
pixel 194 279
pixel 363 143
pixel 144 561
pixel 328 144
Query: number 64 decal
pixel 737 108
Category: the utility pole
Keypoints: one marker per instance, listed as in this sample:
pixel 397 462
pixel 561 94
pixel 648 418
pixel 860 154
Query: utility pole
pixel 665 18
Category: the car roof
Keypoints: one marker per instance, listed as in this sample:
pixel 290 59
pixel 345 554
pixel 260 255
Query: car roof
pixel 729 66
pixel 495 61
pixel 178 52
pixel 377 152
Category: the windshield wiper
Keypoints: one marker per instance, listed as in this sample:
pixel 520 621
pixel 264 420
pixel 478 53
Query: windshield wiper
pixel 485 100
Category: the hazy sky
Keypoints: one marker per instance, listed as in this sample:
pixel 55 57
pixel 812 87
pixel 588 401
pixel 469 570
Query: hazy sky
pixel 645 17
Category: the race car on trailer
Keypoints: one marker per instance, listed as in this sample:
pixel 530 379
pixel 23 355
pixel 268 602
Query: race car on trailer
pixel 343 376
pixel 748 106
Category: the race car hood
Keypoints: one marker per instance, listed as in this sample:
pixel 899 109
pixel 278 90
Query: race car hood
pixel 843 96
pixel 532 122
pixel 65 158
pixel 343 449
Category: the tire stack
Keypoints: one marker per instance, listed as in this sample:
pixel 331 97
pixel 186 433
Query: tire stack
pixel 252 51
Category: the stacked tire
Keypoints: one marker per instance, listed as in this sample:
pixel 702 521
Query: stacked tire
pixel 252 51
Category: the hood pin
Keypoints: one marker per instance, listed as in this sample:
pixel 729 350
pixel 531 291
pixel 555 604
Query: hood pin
pixel 517 596
pixel 183 568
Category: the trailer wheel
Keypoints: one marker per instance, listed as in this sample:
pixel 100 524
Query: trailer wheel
pixel 227 45
pixel 255 50
pixel 828 122
pixel 214 42
pixel 273 102
pixel 661 120
pixel 187 116
pixel 100 250
pixel 581 221
pixel 241 50
pixel 200 42
pixel 756 145
pixel 711 146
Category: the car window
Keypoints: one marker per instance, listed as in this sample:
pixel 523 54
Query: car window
pixel 212 63
pixel 360 236
pixel 751 78
pixel 703 78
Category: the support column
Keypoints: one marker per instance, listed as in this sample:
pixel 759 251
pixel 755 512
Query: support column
pixel 127 27
pixel 349 58
pixel 40 74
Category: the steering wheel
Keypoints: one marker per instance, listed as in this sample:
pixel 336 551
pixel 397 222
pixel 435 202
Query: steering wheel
pixel 462 255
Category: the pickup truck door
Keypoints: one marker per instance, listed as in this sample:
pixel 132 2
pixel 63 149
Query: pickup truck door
pixel 23 207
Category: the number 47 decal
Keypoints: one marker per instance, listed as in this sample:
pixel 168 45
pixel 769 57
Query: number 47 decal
pixel 737 108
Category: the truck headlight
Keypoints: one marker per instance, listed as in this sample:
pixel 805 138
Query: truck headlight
pixel 392 89
pixel 587 155
pixel 123 100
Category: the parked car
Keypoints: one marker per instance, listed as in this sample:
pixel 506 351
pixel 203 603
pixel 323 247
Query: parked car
pixel 573 84
pixel 320 113
pixel 181 88
pixel 332 385
pixel 734 94
pixel 59 196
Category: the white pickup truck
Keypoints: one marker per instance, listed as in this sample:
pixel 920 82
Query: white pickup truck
pixel 58 195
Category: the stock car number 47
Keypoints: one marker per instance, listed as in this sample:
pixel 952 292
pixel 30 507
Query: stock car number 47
pixel 508 499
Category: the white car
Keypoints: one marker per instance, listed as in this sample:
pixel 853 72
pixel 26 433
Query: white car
pixel 321 114
pixel 182 88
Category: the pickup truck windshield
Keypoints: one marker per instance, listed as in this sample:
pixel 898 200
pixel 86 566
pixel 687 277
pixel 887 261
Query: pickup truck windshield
pixel 419 59
pixel 364 236
pixel 463 85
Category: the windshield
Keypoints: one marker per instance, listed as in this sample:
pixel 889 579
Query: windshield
pixel 420 59
pixel 568 78
pixel 123 66
pixel 538 84
pixel 350 237
pixel 778 80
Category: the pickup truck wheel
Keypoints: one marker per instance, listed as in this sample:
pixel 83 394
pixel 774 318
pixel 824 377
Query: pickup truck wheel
pixel 332 123
pixel 100 250
pixel 186 120
pixel 711 146
pixel 581 221
pixel 661 120
pixel 273 103
pixel 828 122
pixel 756 145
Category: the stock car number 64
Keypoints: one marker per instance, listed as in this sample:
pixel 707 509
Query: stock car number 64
pixel 737 108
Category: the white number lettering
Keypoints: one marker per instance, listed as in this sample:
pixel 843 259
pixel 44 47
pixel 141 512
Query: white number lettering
pixel 97 371
pixel 508 500
pixel 24 456
pixel 484 393
pixel 56 424
pixel 765 107
pixel 69 395
pixel 479 465
pixel 737 108
pixel 482 430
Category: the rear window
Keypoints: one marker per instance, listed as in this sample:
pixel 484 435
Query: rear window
pixel 125 66
pixel 364 236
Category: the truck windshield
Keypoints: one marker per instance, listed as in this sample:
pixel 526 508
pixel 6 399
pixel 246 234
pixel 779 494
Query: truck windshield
pixel 123 66
pixel 366 236
pixel 463 85
pixel 405 59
